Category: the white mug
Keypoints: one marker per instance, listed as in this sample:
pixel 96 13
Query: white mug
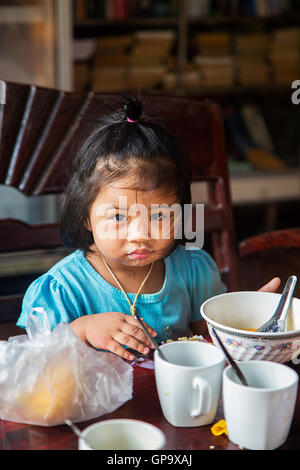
pixel 121 434
pixel 259 417
pixel 189 385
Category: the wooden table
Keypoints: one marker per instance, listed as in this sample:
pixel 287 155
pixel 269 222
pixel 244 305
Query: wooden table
pixel 144 406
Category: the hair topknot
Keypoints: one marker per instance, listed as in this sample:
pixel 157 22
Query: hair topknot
pixel 133 109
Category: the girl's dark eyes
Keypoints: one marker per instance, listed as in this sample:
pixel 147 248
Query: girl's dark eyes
pixel 158 216
pixel 119 217
pixel 123 218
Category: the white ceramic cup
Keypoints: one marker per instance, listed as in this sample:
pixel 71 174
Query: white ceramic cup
pixel 189 385
pixel 121 434
pixel 259 417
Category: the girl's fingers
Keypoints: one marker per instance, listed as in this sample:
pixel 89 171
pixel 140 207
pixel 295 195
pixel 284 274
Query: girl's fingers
pixel 134 329
pixel 131 342
pixel 116 348
pixel 137 333
pixel 271 286
pixel 129 319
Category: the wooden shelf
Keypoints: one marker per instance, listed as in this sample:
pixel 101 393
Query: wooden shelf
pixel 257 187
pixel 173 21
pixel 226 20
pixel 132 22
pixel 238 90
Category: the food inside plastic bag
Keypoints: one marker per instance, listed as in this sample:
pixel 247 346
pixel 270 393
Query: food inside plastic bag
pixel 49 376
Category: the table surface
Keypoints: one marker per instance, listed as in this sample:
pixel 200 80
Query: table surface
pixel 145 406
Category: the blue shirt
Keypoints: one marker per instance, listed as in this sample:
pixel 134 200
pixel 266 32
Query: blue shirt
pixel 73 288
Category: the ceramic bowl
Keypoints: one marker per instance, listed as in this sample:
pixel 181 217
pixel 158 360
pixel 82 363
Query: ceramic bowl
pixel 234 314
pixel 121 434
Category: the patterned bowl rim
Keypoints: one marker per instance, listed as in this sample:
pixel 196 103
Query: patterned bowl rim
pixel 251 334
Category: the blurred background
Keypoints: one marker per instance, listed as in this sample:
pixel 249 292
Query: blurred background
pixel 244 54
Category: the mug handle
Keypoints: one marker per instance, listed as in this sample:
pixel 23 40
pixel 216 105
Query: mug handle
pixel 204 403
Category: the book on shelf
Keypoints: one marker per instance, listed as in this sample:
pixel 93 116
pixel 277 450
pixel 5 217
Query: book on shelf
pixel 256 126
pixel 146 54
pixel 252 44
pixel 213 44
pixel 198 9
pixel 254 77
pixel 262 159
pixel 134 61
pixel 265 8
pixel 217 82
pixel 251 51
pixel 112 51
pixel 166 35
pixel 190 79
pixel 127 9
pixel 214 59
pixel 218 71
pixel 149 58
pixel 217 8
pixel 109 79
pixel 155 8
pixel 141 77
pixel 109 63
pixel 284 55
pixel 127 78
pixel 102 9
pixel 79 10
pixel 116 9
pixel 124 9
pixel 217 62
pixel 151 47
pixel 114 60
pixel 285 36
pixel 285 78
pixel 112 43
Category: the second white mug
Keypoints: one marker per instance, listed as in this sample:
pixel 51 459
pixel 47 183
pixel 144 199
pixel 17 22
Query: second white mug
pixel 189 384
pixel 259 417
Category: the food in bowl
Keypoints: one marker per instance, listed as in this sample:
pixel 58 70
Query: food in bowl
pixel 186 338
pixel 235 315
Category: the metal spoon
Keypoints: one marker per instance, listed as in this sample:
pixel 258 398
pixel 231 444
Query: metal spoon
pixel 159 351
pixel 231 361
pixel 277 321
pixel 77 431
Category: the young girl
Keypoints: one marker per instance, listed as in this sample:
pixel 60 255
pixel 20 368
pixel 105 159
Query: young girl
pixel 122 263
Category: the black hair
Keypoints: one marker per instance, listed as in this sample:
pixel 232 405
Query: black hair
pixel 125 142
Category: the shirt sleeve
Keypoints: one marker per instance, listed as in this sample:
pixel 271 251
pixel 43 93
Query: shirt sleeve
pixel 206 281
pixel 48 293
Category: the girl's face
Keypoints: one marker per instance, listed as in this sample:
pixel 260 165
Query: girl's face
pixel 133 227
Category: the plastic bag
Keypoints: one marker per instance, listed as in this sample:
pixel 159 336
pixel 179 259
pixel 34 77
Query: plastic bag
pixel 49 376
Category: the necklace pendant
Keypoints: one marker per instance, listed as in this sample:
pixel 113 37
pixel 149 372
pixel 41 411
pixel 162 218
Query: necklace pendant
pixel 132 310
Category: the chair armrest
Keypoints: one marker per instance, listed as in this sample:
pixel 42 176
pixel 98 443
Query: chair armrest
pixel 287 238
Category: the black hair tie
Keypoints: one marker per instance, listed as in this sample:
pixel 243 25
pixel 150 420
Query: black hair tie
pixel 133 110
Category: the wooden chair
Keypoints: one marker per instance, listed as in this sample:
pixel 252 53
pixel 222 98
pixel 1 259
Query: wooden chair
pixel 42 130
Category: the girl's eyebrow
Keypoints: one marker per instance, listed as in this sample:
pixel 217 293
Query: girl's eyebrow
pixel 113 206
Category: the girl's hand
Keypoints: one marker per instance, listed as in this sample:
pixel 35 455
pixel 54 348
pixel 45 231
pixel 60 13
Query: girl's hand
pixel 112 329
pixel 272 286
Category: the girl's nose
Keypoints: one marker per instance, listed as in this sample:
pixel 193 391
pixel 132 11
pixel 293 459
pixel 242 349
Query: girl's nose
pixel 138 229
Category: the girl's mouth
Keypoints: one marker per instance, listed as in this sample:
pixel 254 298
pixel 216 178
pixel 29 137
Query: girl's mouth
pixel 139 254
